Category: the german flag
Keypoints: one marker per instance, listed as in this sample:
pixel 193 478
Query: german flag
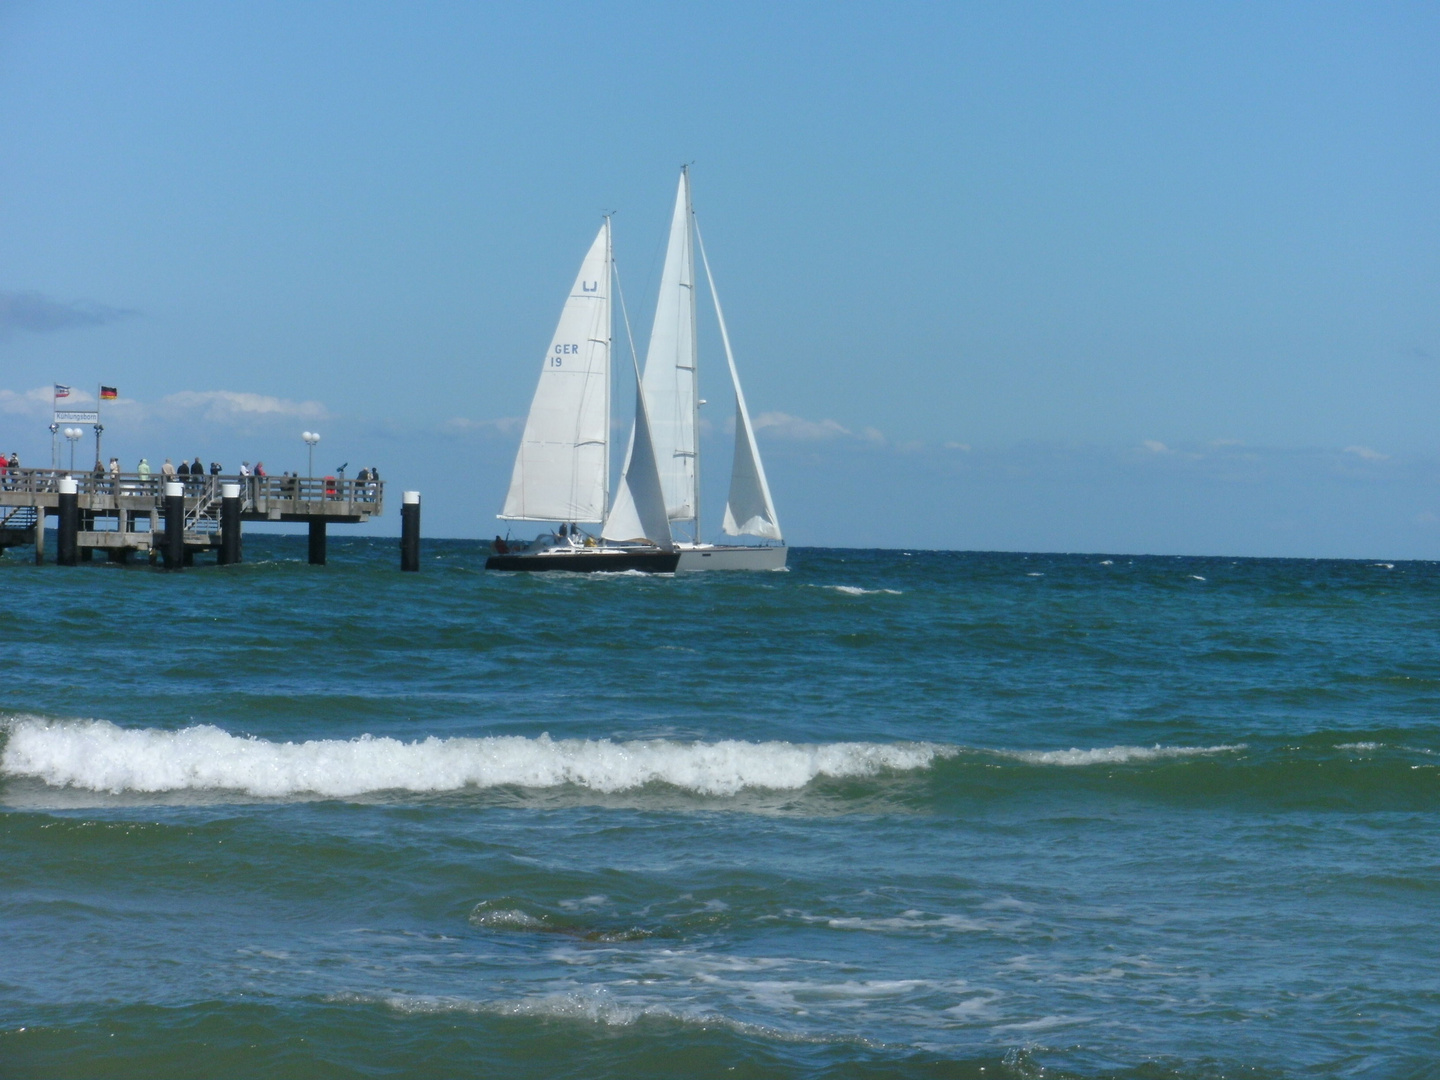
pixel 108 393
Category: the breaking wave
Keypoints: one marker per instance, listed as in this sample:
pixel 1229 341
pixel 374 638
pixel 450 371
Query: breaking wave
pixel 100 756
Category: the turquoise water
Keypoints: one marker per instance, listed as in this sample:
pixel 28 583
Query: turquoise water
pixel 887 814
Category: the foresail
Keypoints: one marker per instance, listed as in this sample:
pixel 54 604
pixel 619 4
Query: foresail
pixel 749 510
pixel 670 384
pixel 562 469
pixel 639 510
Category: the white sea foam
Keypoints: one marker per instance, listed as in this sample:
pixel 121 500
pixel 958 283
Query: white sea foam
pixel 1196 577
pixel 100 756
pixel 1359 745
pixel 855 590
pixel 1114 755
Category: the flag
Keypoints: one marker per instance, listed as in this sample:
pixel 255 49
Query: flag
pixel 61 391
pixel 108 393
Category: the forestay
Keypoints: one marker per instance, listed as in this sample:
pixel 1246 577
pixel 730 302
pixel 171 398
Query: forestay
pixel 562 469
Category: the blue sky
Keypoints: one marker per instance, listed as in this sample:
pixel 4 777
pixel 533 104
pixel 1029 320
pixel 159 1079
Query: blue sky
pixel 1121 277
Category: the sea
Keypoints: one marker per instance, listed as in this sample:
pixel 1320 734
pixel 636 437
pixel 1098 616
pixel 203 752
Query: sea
pixel 885 814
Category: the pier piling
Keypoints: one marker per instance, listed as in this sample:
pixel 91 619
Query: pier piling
pixel 410 531
pixel 68 536
pixel 174 525
pixel 229 524
pixel 317 542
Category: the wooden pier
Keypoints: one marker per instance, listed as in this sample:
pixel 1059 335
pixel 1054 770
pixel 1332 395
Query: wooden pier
pixel 177 517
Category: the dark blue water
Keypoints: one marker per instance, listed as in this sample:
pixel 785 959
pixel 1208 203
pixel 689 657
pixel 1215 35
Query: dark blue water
pixel 886 814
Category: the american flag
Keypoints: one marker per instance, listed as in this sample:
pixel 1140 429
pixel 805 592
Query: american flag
pixel 61 391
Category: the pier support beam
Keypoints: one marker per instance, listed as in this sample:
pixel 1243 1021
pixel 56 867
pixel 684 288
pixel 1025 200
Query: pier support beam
pixel 39 536
pixel 229 524
pixel 174 525
pixel 410 531
pixel 68 536
pixel 317 543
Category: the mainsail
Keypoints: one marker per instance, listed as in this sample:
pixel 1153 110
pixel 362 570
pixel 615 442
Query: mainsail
pixel 670 368
pixel 562 471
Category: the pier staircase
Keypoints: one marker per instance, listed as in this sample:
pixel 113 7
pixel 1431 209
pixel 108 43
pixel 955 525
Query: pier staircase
pixel 202 518
pixel 17 525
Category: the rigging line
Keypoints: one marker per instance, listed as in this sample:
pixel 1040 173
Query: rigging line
pixel 625 314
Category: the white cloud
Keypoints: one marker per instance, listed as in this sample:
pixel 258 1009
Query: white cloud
pixel 1156 447
pixel 793 427
pixel 785 426
pixel 230 406
pixel 35 402
pixel 958 446
pixel 1364 453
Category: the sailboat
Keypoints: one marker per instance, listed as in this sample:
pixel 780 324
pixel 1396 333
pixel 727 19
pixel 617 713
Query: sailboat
pixel 672 400
pixel 562 469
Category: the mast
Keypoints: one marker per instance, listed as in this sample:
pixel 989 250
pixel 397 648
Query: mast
pixel 694 349
pixel 609 377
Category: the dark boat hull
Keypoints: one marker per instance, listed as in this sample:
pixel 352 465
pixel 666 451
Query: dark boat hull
pixel 582 561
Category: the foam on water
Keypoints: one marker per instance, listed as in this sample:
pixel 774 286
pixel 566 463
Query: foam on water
pixel 856 590
pixel 1114 755
pixel 100 756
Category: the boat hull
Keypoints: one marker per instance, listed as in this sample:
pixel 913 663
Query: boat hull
pixel 738 557
pixel 588 561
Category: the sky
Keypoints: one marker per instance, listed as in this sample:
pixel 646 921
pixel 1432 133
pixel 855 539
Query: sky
pixel 1123 278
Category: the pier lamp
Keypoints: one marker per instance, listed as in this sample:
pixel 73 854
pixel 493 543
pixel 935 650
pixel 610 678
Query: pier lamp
pixel 311 438
pixel 73 434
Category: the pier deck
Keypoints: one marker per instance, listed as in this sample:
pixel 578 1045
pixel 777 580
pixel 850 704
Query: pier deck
pixel 127 512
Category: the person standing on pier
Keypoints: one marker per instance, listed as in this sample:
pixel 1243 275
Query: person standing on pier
pixel 167 470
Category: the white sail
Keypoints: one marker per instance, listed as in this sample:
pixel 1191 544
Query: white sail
pixel 749 510
pixel 639 510
pixel 670 372
pixel 562 471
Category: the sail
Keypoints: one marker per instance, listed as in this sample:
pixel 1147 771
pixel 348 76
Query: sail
pixel 562 470
pixel 749 510
pixel 639 510
pixel 670 379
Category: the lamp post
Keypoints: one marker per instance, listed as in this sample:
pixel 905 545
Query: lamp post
pixel 311 438
pixel 73 434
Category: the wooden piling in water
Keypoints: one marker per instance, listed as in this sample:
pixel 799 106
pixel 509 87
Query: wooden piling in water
pixel 410 531
pixel 317 543
pixel 68 535
pixel 229 524
pixel 174 550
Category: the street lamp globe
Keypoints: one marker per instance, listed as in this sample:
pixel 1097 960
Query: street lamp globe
pixel 311 438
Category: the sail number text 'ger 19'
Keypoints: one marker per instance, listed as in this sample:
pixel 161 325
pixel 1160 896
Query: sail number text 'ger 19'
pixel 562 350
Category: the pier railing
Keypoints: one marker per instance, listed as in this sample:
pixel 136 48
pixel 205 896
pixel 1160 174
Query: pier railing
pixel 308 495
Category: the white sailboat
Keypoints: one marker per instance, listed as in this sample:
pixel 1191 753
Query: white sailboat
pixel 671 391
pixel 562 469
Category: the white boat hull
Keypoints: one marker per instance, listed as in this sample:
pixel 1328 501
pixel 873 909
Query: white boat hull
pixel 738 557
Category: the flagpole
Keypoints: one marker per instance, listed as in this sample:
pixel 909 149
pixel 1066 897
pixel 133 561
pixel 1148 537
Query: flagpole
pixel 99 397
